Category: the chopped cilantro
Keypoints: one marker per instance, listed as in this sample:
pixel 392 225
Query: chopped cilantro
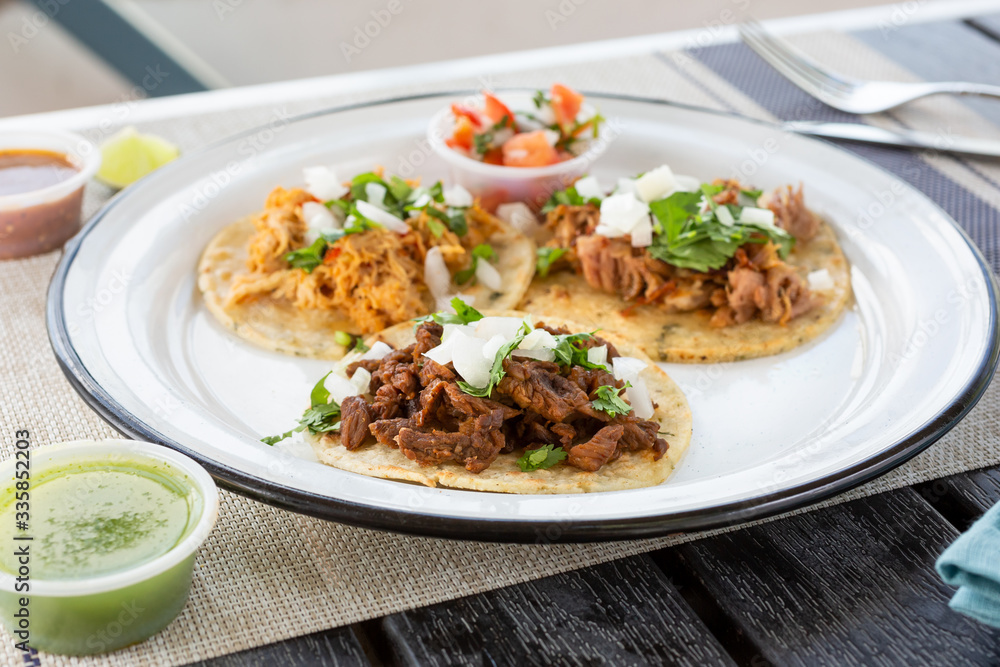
pixel 569 353
pixel 754 195
pixel 546 257
pixel 399 189
pixel 359 345
pixel 342 204
pixel 541 458
pixel 609 400
pixel 322 415
pixel 436 227
pixel 464 314
pixel 307 258
pixel 569 197
pixel 497 372
pixel 540 99
pixel 481 251
pixel 687 238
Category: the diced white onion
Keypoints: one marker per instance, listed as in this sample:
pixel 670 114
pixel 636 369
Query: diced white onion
pixel 488 276
pixel 339 387
pixel 493 346
pixel 687 183
pixel 609 232
pixel 375 193
pixel 656 184
pixel 589 188
pixel 642 233
pixel 519 216
pixel 436 273
pixel 361 380
pixel 820 280
pixel 724 215
pixel 538 339
pixel 757 216
pixel 625 186
pixel 488 327
pixel 322 183
pixel 552 137
pixel 638 398
pixel 457 196
pixel 467 356
pixel 501 136
pixel 623 212
pixel 422 200
pixel 542 354
pixel 627 368
pixel 384 218
pixel 598 355
pixel 377 351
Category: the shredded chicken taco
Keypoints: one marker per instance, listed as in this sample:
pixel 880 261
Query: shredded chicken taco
pixel 499 403
pixel 323 266
pixel 695 272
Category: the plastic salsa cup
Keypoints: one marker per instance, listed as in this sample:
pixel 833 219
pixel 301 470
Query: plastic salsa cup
pixel 495 184
pixel 42 219
pixel 112 531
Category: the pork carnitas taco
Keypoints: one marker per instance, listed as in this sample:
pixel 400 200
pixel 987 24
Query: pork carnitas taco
pixel 322 266
pixel 695 272
pixel 499 403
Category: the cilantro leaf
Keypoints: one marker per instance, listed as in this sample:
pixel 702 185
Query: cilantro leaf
pixel 358 183
pixel 319 394
pixel 568 197
pixel 437 229
pixel 497 372
pixel 540 99
pixel 399 189
pixel 546 256
pixel 481 251
pixel 569 353
pixel 754 195
pixel 541 458
pixel 307 258
pixel 609 400
pixel 464 314
pixel 457 222
pixel 318 418
pixel 275 439
pixel 688 238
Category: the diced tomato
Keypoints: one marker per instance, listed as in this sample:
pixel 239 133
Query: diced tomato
pixel 332 253
pixel 493 156
pixel 566 105
pixel 529 149
pixel 496 111
pixel 463 136
pixel 460 112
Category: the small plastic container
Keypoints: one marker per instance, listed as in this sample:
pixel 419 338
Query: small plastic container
pixel 102 613
pixel 495 184
pixel 35 222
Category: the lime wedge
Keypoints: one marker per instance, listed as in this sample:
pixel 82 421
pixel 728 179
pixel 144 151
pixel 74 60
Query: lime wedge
pixel 128 156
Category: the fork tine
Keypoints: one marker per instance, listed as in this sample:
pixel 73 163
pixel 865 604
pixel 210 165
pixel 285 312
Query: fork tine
pixel 786 69
pixel 761 42
pixel 799 59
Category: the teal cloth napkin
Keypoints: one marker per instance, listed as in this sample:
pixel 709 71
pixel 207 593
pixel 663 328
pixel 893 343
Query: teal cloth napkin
pixel 973 564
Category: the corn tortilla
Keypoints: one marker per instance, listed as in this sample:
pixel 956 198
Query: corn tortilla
pixel 278 325
pixel 632 470
pixel 688 337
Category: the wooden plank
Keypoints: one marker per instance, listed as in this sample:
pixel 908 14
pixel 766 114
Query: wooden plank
pixel 963 498
pixel 626 612
pixel 338 647
pixel 851 584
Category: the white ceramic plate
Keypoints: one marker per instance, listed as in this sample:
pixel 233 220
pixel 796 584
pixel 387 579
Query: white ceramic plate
pixel 899 369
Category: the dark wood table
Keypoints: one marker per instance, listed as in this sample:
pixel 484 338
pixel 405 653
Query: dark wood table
pixel 849 584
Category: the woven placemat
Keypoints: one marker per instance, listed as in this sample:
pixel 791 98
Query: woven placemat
pixel 265 574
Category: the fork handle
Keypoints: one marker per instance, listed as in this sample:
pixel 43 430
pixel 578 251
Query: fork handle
pixel 964 88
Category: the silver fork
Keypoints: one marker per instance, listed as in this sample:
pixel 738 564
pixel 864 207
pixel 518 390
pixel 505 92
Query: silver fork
pixel 843 92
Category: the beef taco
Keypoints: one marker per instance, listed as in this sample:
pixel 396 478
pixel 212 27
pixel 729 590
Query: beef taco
pixel 321 267
pixel 696 273
pixel 499 403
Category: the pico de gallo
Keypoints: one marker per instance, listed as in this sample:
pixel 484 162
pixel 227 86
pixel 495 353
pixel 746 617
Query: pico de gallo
pixel 556 128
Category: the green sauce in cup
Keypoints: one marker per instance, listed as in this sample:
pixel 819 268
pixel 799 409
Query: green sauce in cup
pixel 112 532
pixel 92 520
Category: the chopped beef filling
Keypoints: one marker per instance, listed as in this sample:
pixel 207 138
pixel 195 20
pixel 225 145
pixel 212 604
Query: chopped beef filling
pixel 418 407
pixel 755 283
